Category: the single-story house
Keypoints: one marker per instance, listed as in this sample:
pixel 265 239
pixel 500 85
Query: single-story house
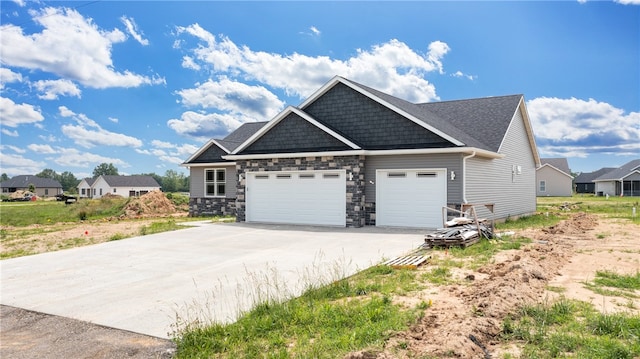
pixel 124 186
pixel 350 155
pixel 44 187
pixel 584 181
pixel 554 178
pixel 622 181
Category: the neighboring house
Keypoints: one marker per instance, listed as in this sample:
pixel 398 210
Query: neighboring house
pixel 350 156
pixel 622 181
pixel 44 187
pixel 84 187
pixel 554 178
pixel 125 186
pixel 584 181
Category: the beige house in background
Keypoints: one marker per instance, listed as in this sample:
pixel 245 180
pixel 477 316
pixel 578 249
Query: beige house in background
pixel 553 178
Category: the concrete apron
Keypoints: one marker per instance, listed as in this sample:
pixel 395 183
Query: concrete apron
pixel 212 272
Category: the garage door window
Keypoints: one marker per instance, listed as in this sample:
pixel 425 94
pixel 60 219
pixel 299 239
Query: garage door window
pixel 215 182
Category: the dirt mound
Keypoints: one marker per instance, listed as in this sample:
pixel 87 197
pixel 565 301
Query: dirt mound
pixel 465 320
pixel 154 203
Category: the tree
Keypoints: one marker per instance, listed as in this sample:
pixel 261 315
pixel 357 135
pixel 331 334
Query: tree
pixel 68 181
pixel 48 173
pixel 105 169
pixel 4 177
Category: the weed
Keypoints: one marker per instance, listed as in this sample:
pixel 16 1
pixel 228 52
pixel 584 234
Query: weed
pixel 117 237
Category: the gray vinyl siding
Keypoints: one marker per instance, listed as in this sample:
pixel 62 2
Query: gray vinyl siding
pixel 452 162
pixel 556 183
pixel 492 181
pixel 196 188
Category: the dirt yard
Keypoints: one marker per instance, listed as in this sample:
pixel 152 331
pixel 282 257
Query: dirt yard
pixel 463 322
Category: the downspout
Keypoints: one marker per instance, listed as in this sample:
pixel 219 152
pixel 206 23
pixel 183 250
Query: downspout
pixel 464 176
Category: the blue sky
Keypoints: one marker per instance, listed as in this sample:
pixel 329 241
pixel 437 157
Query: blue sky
pixel 144 84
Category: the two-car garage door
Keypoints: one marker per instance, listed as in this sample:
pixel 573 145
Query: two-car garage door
pixel 297 197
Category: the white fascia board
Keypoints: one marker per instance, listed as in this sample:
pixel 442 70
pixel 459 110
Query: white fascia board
pixel 208 164
pixel 528 128
pixel 321 91
pixel 465 150
pixel 204 148
pixel 324 128
pixel 629 174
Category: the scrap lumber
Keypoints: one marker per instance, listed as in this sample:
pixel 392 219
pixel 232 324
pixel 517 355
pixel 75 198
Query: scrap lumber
pixel 406 262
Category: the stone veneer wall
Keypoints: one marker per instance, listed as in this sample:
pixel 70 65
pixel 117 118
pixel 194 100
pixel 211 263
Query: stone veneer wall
pixel 353 165
pixel 212 206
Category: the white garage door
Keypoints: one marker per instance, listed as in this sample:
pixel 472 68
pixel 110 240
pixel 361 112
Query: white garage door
pixel 410 198
pixel 307 197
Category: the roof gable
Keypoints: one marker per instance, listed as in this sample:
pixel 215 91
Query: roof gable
pixel 212 151
pixel 560 164
pixel 621 172
pixel 23 181
pixel 369 123
pixel 295 131
pixel 588 177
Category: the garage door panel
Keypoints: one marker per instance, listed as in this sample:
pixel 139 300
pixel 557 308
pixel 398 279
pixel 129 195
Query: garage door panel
pixel 410 198
pixel 310 197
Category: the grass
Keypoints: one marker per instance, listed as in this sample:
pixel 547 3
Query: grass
pixel 613 284
pixel 52 212
pixel 324 322
pixel 569 328
pixel 613 207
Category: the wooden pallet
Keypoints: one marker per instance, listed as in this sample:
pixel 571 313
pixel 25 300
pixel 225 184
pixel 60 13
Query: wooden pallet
pixel 406 262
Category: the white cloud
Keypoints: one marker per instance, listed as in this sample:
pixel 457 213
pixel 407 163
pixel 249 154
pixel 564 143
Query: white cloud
pixel 576 128
pixel 132 29
pixel 113 119
pixel 52 88
pixel 202 127
pixel 461 74
pixel 72 157
pixel 70 46
pixel 15 149
pixel 8 76
pixel 627 2
pixel 14 165
pixel 391 67
pixel 10 133
pixel 14 114
pixel 162 144
pixel 315 30
pixel 233 97
pixel 188 63
pixel 88 133
pixel 42 149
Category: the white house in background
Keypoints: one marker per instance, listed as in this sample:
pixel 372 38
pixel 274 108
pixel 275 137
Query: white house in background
pixel 554 178
pixel 621 181
pixel 124 186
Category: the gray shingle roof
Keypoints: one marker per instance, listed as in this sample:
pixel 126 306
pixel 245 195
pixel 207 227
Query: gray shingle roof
pixel 559 163
pixel 588 177
pixel 241 134
pixel 130 181
pixel 621 171
pixel 23 181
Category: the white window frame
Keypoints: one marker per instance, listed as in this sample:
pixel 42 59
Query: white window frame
pixel 215 182
pixel 542 186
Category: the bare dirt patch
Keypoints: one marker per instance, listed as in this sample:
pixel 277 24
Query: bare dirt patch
pixel 465 319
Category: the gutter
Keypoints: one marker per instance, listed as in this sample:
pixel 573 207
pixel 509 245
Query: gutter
pixel 464 176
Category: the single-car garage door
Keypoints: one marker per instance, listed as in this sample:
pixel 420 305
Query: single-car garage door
pixel 410 198
pixel 304 197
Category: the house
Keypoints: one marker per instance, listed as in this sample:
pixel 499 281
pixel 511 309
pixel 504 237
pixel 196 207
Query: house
pixel 554 178
pixel 622 181
pixel 584 181
pixel 44 187
pixel 124 186
pixel 84 187
pixel 350 155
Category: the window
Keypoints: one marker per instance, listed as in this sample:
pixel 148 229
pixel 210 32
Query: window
pixel 114 190
pixel 84 191
pixel 543 186
pixel 214 182
pixel 396 174
pixel 46 191
pixel 101 191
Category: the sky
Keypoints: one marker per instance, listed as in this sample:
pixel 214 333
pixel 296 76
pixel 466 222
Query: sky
pixel 145 84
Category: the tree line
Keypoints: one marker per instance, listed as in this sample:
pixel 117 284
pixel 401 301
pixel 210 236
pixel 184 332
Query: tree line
pixel 172 181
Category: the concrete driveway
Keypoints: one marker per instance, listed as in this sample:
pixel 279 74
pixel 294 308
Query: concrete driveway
pixel 207 272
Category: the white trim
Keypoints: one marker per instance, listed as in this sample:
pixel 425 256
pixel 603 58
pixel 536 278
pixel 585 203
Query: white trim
pixel 204 148
pixel 464 176
pixel 281 116
pixel 414 151
pixel 208 164
pixel 215 183
pixel 377 99
pixel 555 168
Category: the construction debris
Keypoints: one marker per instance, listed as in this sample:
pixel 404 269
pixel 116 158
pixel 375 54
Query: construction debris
pixel 462 231
pixel 406 262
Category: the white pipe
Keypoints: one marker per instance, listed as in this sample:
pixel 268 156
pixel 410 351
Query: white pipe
pixel 464 176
